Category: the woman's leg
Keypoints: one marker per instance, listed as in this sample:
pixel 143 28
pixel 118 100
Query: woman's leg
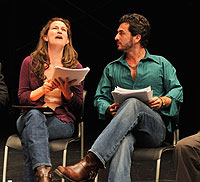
pixel 36 130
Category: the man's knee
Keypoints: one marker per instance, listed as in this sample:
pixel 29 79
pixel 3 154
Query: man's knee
pixel 132 102
pixel 184 145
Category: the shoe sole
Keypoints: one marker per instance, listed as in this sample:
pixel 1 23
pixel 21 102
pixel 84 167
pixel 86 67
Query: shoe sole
pixel 58 173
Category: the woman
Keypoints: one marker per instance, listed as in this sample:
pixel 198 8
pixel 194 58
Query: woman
pixel 37 88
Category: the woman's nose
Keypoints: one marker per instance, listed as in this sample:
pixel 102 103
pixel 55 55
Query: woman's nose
pixel 59 31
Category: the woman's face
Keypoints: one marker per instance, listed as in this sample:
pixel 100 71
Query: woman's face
pixel 57 34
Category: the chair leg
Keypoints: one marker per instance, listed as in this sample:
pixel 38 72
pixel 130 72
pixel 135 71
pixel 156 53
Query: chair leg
pixel 64 157
pixel 64 160
pixel 82 140
pixel 96 179
pixel 158 170
pixel 5 164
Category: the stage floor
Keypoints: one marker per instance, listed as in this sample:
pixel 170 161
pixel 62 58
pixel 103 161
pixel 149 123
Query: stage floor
pixel 141 171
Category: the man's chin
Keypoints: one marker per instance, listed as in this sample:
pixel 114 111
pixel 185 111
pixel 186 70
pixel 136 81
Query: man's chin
pixel 120 49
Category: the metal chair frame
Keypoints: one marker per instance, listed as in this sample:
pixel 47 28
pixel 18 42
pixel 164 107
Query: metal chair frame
pixel 155 154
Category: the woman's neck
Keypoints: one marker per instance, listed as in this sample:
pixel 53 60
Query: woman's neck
pixel 55 56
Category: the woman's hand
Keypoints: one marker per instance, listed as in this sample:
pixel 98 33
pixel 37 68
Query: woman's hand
pixel 64 86
pixel 39 92
pixel 47 86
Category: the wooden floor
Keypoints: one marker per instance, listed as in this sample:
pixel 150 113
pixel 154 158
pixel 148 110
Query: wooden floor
pixel 141 171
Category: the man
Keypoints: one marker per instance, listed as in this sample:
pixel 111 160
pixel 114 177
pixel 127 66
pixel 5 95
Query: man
pixel 133 122
pixel 3 92
pixel 187 159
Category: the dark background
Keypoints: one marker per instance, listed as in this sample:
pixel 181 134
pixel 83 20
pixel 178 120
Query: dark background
pixel 94 23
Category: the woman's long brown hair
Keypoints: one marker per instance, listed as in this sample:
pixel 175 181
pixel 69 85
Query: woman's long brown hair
pixel 40 60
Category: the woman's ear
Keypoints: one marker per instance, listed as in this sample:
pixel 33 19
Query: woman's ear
pixel 45 38
pixel 67 41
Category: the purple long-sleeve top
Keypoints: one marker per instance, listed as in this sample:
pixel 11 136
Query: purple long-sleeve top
pixel 69 111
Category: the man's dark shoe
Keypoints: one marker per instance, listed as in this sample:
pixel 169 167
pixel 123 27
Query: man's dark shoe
pixel 83 171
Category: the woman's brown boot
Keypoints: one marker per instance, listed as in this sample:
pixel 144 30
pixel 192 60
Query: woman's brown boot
pixel 85 170
pixel 43 174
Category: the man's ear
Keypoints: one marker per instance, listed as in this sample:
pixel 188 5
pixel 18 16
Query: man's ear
pixel 45 38
pixel 138 37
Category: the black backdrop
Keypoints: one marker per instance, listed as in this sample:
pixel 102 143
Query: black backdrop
pixel 94 23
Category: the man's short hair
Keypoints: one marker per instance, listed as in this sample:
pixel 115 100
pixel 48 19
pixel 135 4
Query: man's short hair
pixel 138 25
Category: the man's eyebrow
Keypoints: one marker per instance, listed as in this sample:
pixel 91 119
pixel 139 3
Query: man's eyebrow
pixel 120 31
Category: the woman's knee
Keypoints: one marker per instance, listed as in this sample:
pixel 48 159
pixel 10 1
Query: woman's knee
pixel 33 115
pixel 34 112
pixel 29 118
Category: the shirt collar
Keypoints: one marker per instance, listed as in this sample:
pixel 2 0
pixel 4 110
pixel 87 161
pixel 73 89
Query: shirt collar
pixel 147 56
pixel 150 57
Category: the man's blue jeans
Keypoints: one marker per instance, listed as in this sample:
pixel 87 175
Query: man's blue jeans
pixel 134 123
pixel 36 131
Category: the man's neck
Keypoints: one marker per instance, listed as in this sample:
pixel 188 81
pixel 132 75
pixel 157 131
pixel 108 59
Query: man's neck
pixel 135 55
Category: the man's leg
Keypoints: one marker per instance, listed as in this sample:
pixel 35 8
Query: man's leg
pixel 132 115
pixel 187 159
pixel 146 133
pixel 120 165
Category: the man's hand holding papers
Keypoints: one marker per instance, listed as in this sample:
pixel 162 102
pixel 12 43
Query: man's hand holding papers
pixel 121 94
pixel 145 95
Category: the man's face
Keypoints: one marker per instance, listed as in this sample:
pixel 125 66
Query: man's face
pixel 124 38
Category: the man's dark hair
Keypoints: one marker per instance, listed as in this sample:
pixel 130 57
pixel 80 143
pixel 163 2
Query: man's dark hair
pixel 138 25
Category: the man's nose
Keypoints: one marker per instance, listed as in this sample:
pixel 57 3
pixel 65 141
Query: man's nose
pixel 116 37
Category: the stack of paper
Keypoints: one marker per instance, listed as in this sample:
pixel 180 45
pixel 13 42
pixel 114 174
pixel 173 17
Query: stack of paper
pixel 121 94
pixel 72 74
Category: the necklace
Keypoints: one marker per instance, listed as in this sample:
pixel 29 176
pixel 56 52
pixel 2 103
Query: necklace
pixel 133 67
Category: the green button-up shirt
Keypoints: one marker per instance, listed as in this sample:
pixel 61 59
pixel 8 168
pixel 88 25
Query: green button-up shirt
pixel 153 70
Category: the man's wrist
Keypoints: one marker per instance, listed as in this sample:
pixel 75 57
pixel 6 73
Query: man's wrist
pixel 166 101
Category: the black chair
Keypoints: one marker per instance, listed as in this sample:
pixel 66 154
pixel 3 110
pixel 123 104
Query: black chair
pixel 14 142
pixel 155 154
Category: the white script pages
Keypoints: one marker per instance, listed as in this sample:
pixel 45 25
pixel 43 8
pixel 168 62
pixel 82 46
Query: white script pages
pixel 121 94
pixel 77 74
